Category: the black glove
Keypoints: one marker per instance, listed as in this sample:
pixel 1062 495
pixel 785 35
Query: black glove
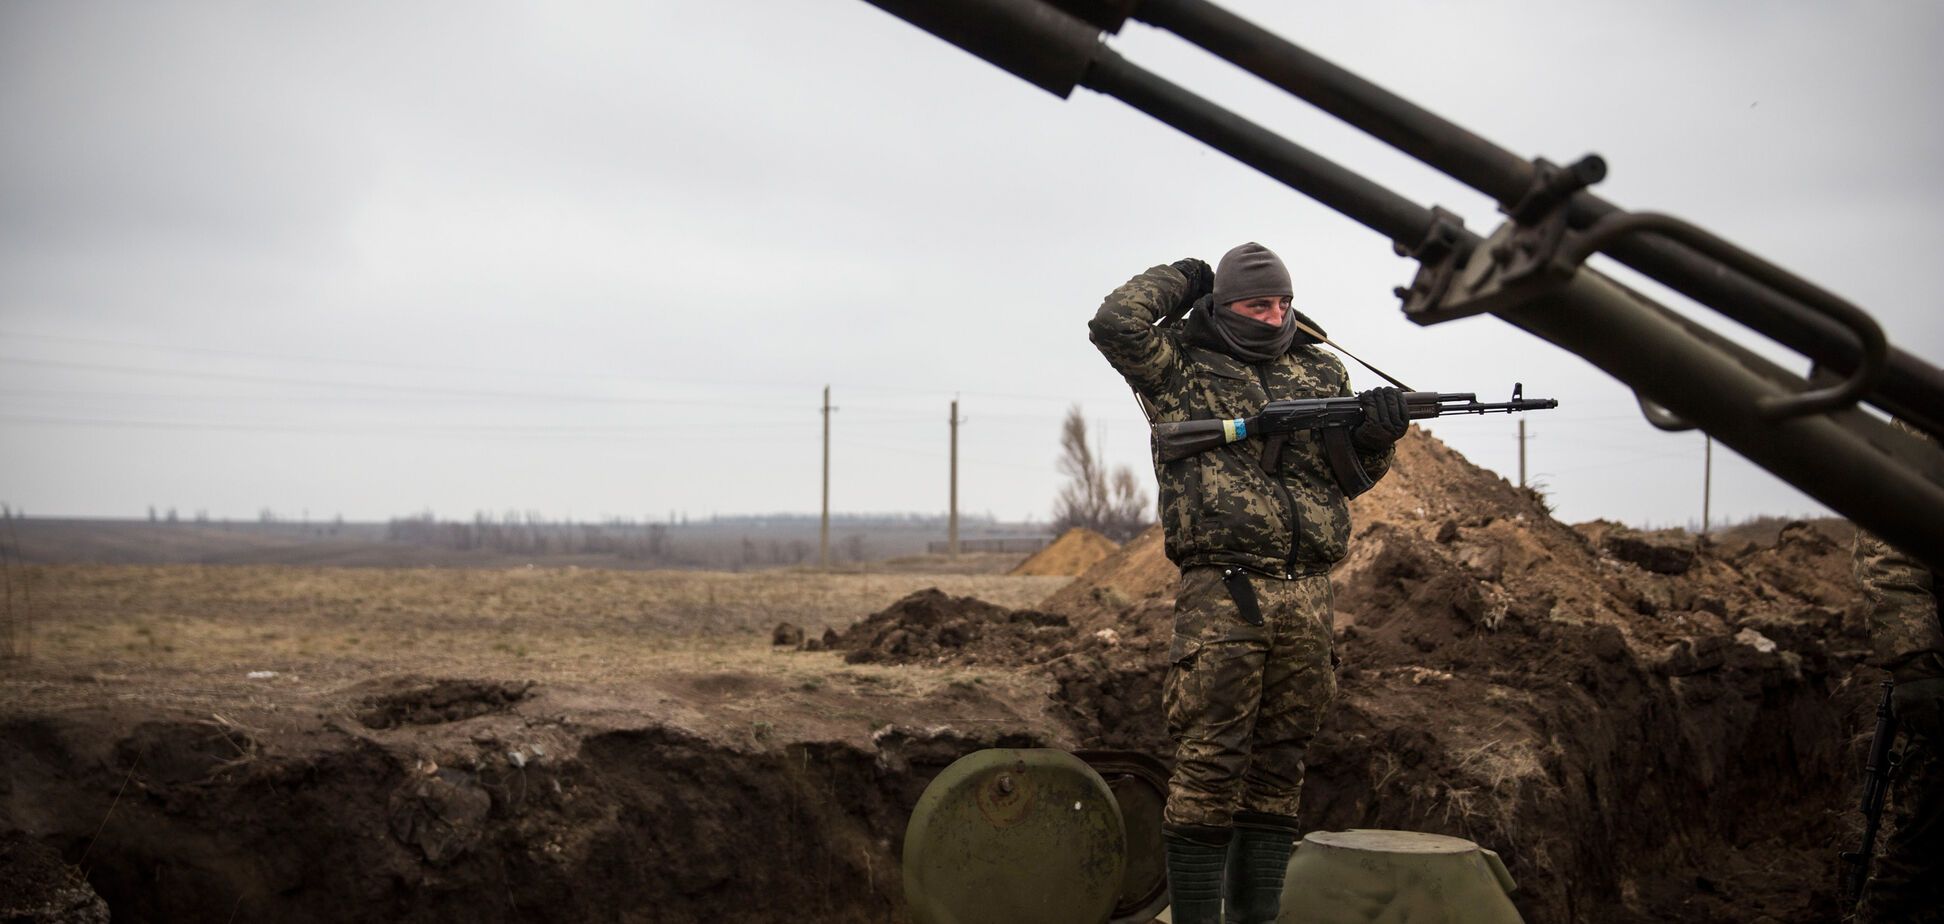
pixel 1201 281
pixel 1385 419
pixel 1919 705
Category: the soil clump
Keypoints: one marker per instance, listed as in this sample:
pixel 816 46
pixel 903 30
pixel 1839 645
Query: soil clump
pixel 931 627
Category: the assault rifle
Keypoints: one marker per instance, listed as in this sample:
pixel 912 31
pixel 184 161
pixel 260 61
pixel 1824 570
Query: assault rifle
pixel 1334 417
pixel 1876 784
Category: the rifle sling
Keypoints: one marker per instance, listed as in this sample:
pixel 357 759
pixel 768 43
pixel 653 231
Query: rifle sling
pixel 1305 328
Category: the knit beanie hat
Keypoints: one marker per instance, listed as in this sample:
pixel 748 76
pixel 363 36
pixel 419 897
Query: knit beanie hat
pixel 1249 271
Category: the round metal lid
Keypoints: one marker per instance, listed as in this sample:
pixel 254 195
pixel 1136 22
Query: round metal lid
pixel 1024 836
pixel 1380 841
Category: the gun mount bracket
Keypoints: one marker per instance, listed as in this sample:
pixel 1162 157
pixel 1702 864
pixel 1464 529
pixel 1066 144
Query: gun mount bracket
pixel 1521 256
pixel 1440 255
pixel 1539 218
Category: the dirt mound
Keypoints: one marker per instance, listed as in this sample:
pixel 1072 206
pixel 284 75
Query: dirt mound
pixel 430 702
pixel 1601 706
pixel 1138 571
pixel 932 627
pixel 1074 552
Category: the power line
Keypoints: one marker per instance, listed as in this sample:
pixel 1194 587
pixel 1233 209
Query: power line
pixel 548 430
pixel 387 390
pixel 447 368
pixel 120 369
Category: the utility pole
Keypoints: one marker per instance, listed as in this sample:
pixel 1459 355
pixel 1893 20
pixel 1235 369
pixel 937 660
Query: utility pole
pixel 823 528
pixel 951 529
pixel 1707 478
pixel 1522 482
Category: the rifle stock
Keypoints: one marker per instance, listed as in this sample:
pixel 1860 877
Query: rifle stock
pixel 1178 440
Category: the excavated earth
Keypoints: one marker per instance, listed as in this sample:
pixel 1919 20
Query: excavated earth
pixel 1647 727
pixel 1070 555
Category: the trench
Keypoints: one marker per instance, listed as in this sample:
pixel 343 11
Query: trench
pixel 651 824
pixel 1713 784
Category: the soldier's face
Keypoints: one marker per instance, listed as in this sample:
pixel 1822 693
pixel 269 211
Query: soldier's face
pixel 1268 309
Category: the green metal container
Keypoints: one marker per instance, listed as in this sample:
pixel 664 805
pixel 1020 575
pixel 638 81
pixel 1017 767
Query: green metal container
pixel 1009 836
pixel 1360 876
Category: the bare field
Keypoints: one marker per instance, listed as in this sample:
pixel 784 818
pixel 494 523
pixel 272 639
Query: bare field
pixel 176 632
pixel 193 739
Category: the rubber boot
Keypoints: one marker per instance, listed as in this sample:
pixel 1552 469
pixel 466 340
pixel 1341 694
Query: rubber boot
pixel 1258 859
pixel 1196 856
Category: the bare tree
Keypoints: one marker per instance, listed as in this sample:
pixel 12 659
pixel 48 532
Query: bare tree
pixel 1111 504
pixel 1127 514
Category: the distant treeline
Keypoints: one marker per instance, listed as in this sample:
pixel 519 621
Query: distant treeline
pixel 527 535
pixel 732 542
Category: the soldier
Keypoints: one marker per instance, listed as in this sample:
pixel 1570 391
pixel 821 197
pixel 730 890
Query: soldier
pixel 1907 881
pixel 1254 527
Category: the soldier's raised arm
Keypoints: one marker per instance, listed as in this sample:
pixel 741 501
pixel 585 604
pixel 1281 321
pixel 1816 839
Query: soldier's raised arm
pixel 1124 327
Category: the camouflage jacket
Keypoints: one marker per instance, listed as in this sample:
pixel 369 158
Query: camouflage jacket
pixel 1900 597
pixel 1222 507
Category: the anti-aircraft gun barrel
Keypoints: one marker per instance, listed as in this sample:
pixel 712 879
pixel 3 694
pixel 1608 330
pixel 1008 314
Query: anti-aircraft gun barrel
pixel 1908 387
pixel 1056 52
pixel 1529 273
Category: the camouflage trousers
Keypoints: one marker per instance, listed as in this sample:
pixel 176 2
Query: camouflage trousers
pixel 1243 701
pixel 1907 879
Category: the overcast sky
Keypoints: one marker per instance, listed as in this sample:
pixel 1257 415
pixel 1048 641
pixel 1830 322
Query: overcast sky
pixel 596 259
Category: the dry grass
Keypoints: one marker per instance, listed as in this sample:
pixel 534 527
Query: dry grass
pixel 193 633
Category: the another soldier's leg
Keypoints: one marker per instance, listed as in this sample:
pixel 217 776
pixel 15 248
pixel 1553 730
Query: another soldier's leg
pixel 1907 879
pixel 1210 696
pixel 1299 683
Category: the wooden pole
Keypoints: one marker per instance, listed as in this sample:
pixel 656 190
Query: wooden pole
pixel 1522 480
pixel 1707 478
pixel 951 534
pixel 823 528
